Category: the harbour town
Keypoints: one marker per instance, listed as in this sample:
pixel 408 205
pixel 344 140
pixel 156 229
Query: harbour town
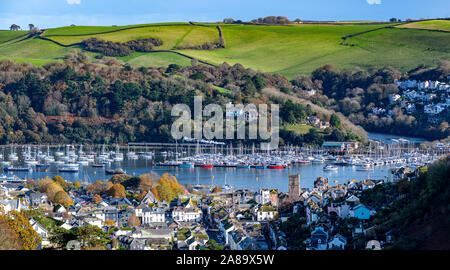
pixel 207 195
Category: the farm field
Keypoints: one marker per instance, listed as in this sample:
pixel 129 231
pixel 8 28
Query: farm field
pixel 289 50
pixel 443 25
pixel 86 30
pixel 303 48
pixel 172 36
pixel 8 35
pixel 33 48
pixel 159 59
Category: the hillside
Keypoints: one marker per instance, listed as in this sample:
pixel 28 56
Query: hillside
pixel 440 25
pixel 288 50
pixel 418 216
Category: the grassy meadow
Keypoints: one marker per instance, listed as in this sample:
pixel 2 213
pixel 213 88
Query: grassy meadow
pixel 289 50
pixel 443 25
pixel 6 35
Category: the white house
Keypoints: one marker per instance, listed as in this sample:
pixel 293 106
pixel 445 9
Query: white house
pixel 187 213
pixel 12 205
pixel 265 213
pixel 151 215
pixel 43 232
pixel 263 197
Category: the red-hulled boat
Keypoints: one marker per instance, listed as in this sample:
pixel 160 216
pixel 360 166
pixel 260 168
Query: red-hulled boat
pixel 206 166
pixel 276 166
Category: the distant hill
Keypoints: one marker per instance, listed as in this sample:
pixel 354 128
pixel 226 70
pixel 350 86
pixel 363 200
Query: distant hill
pixel 288 49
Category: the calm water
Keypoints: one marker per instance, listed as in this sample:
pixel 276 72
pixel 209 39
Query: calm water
pixel 387 138
pixel 236 177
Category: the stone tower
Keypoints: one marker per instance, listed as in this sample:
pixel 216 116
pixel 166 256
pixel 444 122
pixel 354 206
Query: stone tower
pixel 294 187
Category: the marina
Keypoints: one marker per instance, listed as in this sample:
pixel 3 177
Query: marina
pixel 211 165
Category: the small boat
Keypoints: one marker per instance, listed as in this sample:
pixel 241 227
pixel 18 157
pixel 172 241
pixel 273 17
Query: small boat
pixel 304 161
pixel 341 162
pixel 364 167
pixel 260 166
pixel 243 166
pixel 10 179
pixel 42 166
pixel 116 171
pixel 98 165
pixel 275 166
pixel 318 160
pixel 330 168
pixel 71 168
pixel 13 169
pixel 5 163
pixel 227 188
pixel 186 165
pixel 206 166
pixel 13 157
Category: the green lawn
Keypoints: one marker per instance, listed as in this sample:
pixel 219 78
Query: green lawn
pixel 443 25
pixel 301 129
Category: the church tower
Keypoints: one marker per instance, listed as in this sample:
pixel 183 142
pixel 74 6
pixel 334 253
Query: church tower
pixel 294 187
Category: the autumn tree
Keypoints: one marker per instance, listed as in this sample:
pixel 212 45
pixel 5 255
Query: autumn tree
pixel 116 191
pixel 55 192
pixel 109 223
pixel 167 188
pixel 8 238
pixel 76 185
pixel 63 198
pixel 58 179
pixel 20 225
pixel 97 199
pixel 97 188
pixel 147 182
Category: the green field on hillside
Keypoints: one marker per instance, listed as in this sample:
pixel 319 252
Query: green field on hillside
pixel 33 48
pixel 443 25
pixel 8 35
pixel 289 50
pixel 36 62
pixel 83 30
pixel 172 36
pixel 286 49
pixel 158 59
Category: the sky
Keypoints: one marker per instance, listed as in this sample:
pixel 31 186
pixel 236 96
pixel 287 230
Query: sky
pixel 57 13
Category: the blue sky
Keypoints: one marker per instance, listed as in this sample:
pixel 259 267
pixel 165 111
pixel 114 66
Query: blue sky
pixel 55 13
